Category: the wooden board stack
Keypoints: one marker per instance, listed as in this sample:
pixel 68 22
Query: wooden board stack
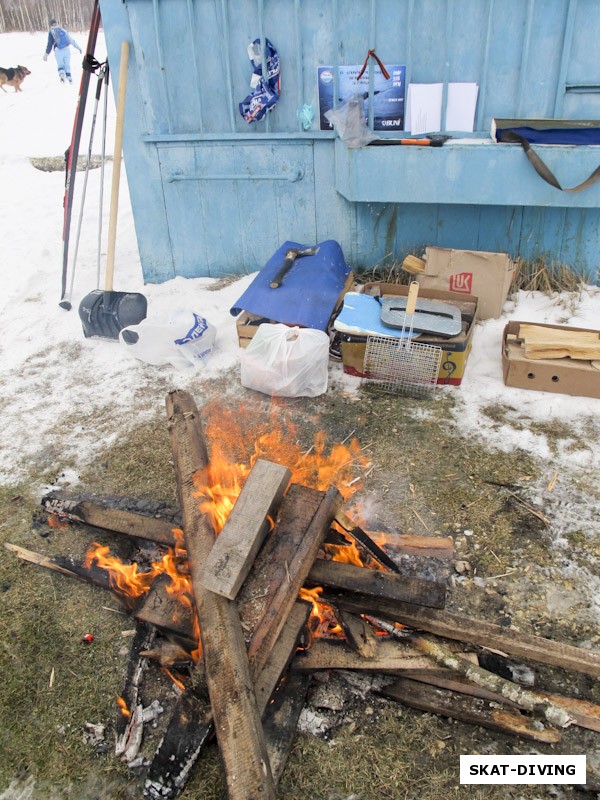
pixel 543 342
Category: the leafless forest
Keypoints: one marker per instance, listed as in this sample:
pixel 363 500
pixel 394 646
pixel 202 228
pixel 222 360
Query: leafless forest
pixel 33 15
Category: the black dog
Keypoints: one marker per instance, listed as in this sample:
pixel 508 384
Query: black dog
pixel 13 76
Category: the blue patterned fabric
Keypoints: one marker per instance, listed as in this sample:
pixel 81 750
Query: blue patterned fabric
pixel 265 92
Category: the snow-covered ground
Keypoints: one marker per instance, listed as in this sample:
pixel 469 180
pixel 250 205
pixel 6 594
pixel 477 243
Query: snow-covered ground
pixel 51 375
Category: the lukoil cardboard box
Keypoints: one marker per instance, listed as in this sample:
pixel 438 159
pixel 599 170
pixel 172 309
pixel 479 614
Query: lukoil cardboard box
pixel 455 350
pixel 561 375
pixel 488 276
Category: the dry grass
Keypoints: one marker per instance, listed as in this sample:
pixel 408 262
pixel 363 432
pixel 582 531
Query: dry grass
pixel 539 275
pixel 424 474
pixel 388 270
pixel 549 277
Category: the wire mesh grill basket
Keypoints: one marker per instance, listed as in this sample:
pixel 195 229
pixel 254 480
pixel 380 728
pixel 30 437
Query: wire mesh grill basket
pixel 401 366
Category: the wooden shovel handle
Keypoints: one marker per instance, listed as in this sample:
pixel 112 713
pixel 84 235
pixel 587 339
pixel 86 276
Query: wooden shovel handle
pixel 411 300
pixel 116 176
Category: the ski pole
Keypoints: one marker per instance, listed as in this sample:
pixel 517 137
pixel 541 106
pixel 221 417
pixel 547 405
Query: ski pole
pixel 66 302
pixel 73 150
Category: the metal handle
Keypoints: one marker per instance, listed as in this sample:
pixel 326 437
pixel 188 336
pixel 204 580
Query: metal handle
pixel 292 177
pixel 288 263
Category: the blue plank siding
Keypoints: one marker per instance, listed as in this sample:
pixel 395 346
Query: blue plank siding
pixel 212 195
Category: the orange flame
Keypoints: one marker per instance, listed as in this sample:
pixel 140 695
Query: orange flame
pixel 322 621
pixel 274 440
pixel 219 484
pixel 125 578
pixel 123 707
pixel 179 684
pixel 347 554
pixel 130 581
pixel 55 521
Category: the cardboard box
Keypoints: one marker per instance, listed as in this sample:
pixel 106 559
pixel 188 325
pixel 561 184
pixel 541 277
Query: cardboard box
pixel 455 350
pixel 246 324
pixel 488 276
pixel 559 375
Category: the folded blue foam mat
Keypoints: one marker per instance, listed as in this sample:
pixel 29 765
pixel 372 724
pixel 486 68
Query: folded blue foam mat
pixel 308 293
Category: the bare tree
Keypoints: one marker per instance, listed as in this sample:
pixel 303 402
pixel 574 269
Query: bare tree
pixel 34 15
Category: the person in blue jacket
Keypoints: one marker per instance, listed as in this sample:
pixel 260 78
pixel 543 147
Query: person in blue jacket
pixel 60 41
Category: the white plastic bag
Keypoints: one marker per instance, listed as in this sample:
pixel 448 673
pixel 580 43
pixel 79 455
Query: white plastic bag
pixel 286 362
pixel 350 124
pixel 183 339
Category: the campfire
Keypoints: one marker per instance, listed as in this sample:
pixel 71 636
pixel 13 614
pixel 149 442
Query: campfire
pixel 269 576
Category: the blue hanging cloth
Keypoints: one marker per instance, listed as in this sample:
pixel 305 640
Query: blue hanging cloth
pixel 266 91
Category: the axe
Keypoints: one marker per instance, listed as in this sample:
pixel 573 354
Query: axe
pixel 288 262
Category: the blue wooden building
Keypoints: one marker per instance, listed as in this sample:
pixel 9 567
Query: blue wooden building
pixel 215 195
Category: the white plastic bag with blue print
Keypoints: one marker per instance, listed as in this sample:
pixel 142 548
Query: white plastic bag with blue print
pixel 286 362
pixel 183 339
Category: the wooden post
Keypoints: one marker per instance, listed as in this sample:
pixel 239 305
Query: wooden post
pixel 236 717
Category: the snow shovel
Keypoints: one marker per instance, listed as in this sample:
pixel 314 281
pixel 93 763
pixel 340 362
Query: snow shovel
pixel 106 312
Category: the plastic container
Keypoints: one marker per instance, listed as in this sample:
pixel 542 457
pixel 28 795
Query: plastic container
pixel 184 340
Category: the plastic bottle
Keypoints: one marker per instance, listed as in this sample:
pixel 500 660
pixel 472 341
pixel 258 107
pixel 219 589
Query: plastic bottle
pixel 184 339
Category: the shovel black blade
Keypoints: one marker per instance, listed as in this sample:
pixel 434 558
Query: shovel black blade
pixel 105 314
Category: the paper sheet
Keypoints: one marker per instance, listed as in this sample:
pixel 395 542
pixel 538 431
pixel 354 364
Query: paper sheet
pixel 424 107
pixel 460 106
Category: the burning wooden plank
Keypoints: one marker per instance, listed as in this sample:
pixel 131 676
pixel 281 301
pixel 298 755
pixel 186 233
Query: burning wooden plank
pixel 378 584
pixel 70 567
pixel 166 611
pixel 434 546
pixel 281 719
pixel 231 690
pixel 282 565
pixel 129 725
pixel 475 711
pixel 282 653
pixel 76 508
pixel 191 725
pixel 365 541
pixel 472 631
pixel 233 554
pixel 358 633
pixel 79 508
pixel 189 728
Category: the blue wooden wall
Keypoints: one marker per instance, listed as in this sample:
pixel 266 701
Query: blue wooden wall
pixel 213 195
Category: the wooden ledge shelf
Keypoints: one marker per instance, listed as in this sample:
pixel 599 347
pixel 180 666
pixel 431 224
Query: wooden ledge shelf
pixel 465 172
